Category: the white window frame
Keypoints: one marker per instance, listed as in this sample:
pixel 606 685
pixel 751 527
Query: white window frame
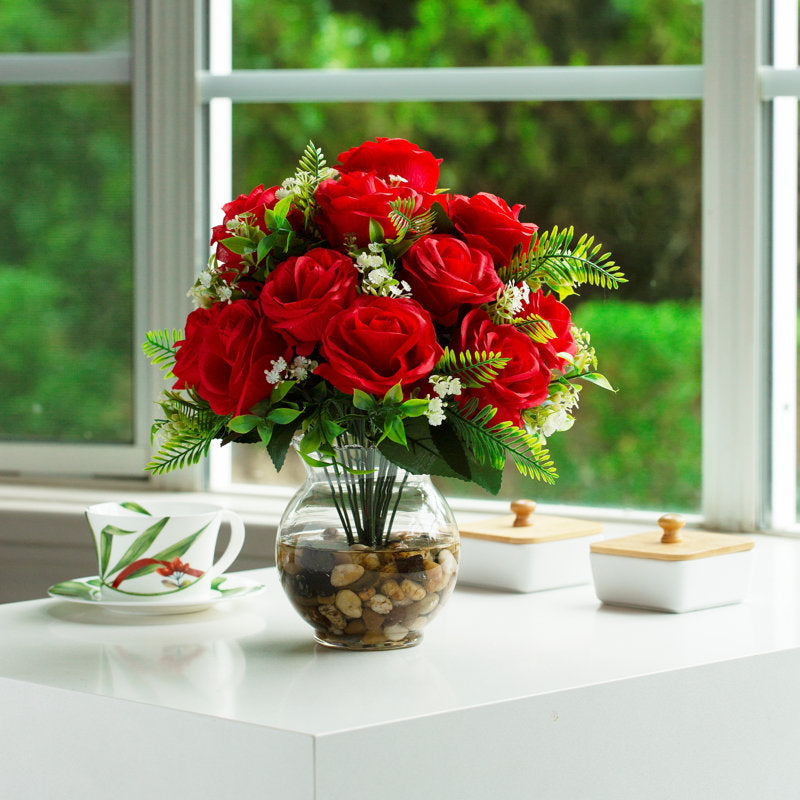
pixel 161 67
pixel 749 84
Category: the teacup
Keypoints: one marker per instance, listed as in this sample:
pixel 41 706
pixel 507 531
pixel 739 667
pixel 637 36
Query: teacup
pixel 160 551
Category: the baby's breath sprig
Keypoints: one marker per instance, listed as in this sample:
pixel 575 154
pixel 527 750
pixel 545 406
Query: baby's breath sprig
pixel 378 273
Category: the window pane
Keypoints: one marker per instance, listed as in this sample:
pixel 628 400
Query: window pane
pixel 66 295
pixel 628 172
pixel 335 34
pixel 61 26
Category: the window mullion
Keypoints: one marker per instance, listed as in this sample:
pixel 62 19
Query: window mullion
pixel 783 379
pixel 455 84
pixel 170 223
pixel 735 295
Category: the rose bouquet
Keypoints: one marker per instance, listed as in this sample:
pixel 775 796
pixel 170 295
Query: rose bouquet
pixel 361 304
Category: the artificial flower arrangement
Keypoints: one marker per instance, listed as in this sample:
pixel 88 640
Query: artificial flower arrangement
pixel 362 303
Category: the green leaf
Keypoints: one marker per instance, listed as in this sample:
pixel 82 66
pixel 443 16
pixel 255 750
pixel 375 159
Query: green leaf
pixel 331 429
pixel 421 456
pixel 265 432
pixel 280 391
pixel 140 545
pixel 312 439
pixel 279 444
pixel 376 233
pixel 264 246
pixel 597 379
pixel 415 407
pixel 243 424
pixel 394 396
pixel 363 401
pixel 269 220
pixel 394 430
pixel 241 245
pixel 283 416
pixel 282 207
pixel 451 449
pixel 136 507
pixel 441 222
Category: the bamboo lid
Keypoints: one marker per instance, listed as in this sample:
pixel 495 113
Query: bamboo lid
pixel 522 527
pixel 673 544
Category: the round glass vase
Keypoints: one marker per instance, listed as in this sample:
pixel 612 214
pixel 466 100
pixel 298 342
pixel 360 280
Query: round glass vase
pixel 367 554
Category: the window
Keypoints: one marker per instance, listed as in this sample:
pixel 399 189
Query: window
pixel 577 103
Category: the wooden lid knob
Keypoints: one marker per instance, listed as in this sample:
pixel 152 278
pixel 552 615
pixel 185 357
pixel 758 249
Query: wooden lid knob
pixel 671 524
pixel 523 510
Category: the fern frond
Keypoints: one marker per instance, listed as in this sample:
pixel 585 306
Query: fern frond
pixel 159 347
pixel 313 161
pixel 536 326
pixel 492 444
pixel 473 369
pixel 404 220
pixel 179 450
pixel 190 414
pixel 551 259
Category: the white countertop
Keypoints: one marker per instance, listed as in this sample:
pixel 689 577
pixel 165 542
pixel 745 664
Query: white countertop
pixel 487 659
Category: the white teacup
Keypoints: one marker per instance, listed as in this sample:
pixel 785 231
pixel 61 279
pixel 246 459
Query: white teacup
pixel 160 551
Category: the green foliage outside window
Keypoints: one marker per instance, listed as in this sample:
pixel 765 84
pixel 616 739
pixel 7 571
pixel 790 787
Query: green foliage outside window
pixel 628 171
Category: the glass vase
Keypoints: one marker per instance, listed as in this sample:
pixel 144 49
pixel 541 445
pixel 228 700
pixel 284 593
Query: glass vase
pixel 367 553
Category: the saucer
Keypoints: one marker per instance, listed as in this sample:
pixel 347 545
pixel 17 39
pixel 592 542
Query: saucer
pixel 87 591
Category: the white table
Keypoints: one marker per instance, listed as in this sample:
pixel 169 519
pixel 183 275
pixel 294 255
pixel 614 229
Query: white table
pixel 509 696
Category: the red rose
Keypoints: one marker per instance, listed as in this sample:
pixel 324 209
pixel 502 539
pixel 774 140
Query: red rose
pixel 557 314
pixel 254 203
pixel 378 342
pixel 224 354
pixel 304 292
pixel 393 157
pixel 521 384
pixel 346 205
pixel 486 221
pixel 445 274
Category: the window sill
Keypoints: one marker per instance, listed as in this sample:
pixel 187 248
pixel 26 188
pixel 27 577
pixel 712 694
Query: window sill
pixel 43 533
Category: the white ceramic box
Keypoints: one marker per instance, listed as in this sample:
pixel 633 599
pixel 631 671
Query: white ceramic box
pixel 672 570
pixel 521 553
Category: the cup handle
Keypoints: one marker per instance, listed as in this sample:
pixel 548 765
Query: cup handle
pixel 234 544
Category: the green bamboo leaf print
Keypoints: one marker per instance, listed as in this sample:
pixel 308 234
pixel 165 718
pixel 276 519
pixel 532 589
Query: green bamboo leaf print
pixel 139 547
pixel 131 506
pixel 179 548
pixel 105 544
pixel 74 589
pixel 174 551
pixel 217 585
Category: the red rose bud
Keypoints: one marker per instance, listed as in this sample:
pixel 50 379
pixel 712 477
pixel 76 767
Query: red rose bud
pixel 446 274
pixel 487 222
pixel 346 205
pixel 557 314
pixel 225 353
pixel 391 159
pixel 521 384
pixel 302 294
pixel 378 342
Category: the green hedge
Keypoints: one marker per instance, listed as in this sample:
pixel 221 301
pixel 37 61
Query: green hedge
pixel 639 447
